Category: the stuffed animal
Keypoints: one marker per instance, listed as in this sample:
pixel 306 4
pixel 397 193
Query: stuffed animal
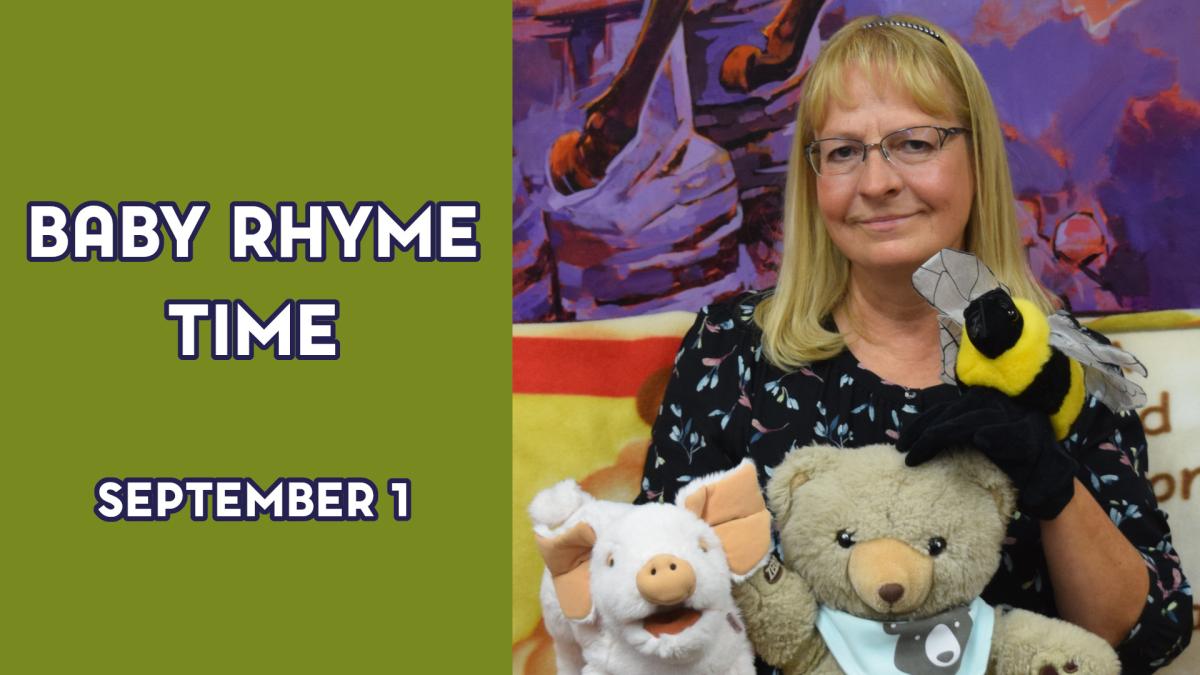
pixel 641 590
pixel 885 565
pixel 991 339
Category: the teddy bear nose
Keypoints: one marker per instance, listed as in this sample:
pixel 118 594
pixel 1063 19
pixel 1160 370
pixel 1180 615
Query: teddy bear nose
pixel 891 593
pixel 666 580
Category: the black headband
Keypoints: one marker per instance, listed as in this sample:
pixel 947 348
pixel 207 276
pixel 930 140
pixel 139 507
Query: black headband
pixel 905 24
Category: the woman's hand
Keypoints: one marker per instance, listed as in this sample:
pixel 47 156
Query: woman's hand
pixel 1017 439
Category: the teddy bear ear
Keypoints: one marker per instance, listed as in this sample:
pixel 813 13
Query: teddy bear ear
pixel 568 557
pixel 731 503
pixel 987 475
pixel 796 469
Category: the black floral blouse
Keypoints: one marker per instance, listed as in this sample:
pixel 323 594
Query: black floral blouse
pixel 725 401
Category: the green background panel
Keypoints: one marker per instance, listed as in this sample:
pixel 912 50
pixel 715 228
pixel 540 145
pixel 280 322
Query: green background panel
pixel 399 102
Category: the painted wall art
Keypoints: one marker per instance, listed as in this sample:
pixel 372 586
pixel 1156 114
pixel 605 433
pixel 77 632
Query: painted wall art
pixel 650 144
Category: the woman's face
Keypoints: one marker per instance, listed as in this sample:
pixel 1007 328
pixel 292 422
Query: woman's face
pixel 885 215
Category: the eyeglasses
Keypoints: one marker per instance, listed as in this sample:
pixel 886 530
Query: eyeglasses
pixel 905 147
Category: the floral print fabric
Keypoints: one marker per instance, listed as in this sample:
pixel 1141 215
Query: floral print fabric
pixel 725 401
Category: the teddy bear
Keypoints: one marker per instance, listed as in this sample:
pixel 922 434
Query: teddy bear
pixel 647 589
pixel 885 565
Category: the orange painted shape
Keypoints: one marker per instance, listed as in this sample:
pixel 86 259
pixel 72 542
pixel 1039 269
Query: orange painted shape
pixel 1097 11
pixel 588 367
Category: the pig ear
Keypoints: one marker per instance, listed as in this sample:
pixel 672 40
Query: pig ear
pixel 568 558
pixel 732 504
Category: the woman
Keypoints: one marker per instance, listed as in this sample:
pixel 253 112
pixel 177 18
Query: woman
pixel 898 154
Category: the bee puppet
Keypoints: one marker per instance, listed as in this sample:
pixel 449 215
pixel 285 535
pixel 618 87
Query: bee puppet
pixel 1048 363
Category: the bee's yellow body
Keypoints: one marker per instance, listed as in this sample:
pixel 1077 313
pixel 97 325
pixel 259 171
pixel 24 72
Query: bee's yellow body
pixel 1013 371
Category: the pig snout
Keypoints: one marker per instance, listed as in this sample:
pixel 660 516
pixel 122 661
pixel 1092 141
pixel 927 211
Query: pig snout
pixel 666 580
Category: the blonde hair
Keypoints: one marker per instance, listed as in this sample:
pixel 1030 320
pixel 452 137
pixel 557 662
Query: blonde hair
pixel 814 275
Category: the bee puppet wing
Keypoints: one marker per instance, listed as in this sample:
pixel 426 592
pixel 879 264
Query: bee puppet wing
pixel 1102 363
pixel 949 281
pixel 950 335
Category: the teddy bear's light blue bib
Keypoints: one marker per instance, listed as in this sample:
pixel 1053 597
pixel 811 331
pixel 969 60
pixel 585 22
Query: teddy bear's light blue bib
pixel 957 642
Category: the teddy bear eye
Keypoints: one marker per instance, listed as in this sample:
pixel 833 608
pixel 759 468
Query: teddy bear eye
pixel 936 545
pixel 703 546
pixel 610 562
pixel 845 538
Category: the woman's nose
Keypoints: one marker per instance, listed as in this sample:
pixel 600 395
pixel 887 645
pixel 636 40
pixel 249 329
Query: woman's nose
pixel 878 176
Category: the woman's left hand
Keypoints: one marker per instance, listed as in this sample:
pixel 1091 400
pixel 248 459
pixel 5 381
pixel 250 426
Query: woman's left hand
pixel 1016 438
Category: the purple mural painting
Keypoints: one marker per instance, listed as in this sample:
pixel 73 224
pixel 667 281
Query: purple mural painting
pixel 651 142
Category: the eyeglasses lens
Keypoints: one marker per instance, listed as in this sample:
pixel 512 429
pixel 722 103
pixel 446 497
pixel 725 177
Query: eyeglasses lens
pixel 905 147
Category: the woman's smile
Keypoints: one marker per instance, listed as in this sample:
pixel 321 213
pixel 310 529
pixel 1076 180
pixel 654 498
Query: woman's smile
pixel 883 223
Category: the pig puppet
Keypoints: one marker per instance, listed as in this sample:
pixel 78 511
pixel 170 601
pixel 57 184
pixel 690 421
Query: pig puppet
pixel 640 590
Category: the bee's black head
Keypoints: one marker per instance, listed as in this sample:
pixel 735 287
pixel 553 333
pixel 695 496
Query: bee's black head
pixel 993 323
